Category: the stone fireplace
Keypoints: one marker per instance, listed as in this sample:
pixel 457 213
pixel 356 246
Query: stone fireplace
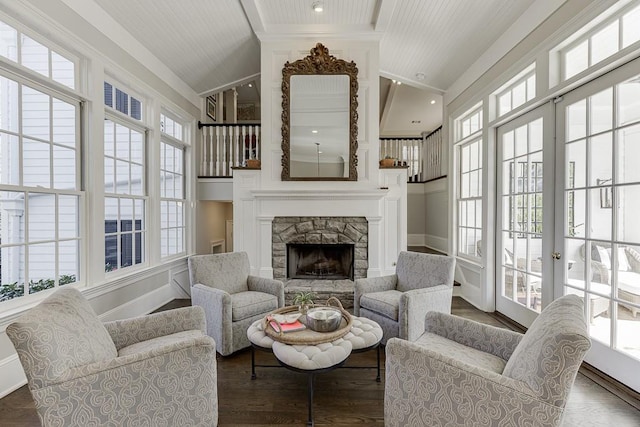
pixel 317 248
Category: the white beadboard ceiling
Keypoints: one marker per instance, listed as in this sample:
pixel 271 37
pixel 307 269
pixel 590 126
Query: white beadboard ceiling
pixel 213 45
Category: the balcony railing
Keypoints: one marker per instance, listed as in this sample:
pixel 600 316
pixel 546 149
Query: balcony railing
pixel 227 145
pixel 433 155
pixel 407 152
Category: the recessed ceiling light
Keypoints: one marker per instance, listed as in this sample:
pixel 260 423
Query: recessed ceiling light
pixel 433 101
pixel 314 131
pixel 319 152
pixel 398 83
pixel 420 76
pixel 250 85
pixel 317 6
pixel 416 121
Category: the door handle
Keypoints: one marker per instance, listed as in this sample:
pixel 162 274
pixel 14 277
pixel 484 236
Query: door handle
pixel 556 255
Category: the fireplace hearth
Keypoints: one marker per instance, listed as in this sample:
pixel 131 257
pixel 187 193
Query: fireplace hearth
pixel 320 261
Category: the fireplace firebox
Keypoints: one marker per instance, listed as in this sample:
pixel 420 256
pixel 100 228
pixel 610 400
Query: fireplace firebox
pixel 320 261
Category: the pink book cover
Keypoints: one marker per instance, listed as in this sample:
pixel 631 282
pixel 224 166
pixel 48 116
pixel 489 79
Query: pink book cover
pixel 288 327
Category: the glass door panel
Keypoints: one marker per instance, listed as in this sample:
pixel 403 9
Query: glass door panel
pixel 598 134
pixel 524 201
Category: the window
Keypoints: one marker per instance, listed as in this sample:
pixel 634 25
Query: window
pixel 172 194
pixel 125 194
pixel 470 198
pixel 518 91
pixel 40 201
pixel 468 135
pixel 26 51
pixel 120 100
pixel 598 43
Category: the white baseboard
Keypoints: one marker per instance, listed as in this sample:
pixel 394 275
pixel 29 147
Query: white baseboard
pixel 12 375
pixel 144 304
pixel 416 240
pixel 435 242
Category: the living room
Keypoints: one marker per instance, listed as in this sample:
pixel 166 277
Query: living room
pixel 125 242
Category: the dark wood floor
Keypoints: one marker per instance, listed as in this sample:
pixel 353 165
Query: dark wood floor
pixel 344 397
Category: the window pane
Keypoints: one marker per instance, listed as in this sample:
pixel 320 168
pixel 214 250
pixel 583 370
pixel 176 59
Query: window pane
pixel 122 177
pixel 9 105
pixel 628 154
pixel 504 103
pixel 576 60
pixel 600 159
pixel 64 123
pixel 41 219
pixel 600 211
pixel 68 224
pixel 9 159
pixel 35 113
pixel 42 272
pixel 631 27
pixel 11 225
pixel 69 261
pixel 136 146
pixel 577 120
pixel 8 42
pixel 64 168
pixel 122 102
pixel 521 139
pixel 601 111
pixel 12 284
pixel 34 56
pixel 62 70
pixel 628 203
pixel 535 135
pixel 604 43
pixel 36 163
pixel 629 101
pixel 108 94
pixel 139 214
pixel 576 154
pixel 136 180
pixel 519 95
pixel 123 142
pixel 576 220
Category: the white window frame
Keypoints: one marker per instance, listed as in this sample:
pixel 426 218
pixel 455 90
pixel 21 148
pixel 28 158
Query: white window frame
pixel 178 142
pixel 130 123
pixel 52 90
pixel 521 78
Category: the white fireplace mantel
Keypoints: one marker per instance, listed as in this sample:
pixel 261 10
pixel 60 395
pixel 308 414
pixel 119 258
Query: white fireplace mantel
pixel 315 194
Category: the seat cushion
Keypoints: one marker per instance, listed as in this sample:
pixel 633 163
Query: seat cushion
pixel 461 352
pixel 142 346
pixel 61 333
pixel 257 335
pixel 251 303
pixel 385 303
pixel 364 333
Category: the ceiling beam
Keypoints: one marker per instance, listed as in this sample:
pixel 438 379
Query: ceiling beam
pixel 253 16
pixel 387 106
pixel 383 17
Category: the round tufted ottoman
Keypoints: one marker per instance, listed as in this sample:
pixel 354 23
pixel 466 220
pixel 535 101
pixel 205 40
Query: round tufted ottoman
pixel 365 335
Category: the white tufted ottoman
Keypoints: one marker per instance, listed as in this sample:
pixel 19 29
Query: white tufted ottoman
pixel 365 335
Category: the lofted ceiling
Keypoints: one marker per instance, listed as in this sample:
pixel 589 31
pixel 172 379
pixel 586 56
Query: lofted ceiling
pixel 213 45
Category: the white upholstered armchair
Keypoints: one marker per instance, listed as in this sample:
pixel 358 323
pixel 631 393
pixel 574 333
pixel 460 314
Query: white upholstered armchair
pixel 152 370
pixel 399 302
pixel 232 299
pixel 464 373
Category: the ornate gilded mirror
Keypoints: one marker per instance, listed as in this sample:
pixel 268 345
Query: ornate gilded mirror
pixel 319 118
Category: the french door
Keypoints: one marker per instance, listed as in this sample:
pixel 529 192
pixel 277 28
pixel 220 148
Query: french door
pixel 598 220
pixel 525 176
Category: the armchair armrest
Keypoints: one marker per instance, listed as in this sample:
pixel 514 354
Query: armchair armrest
pixel 490 339
pixel 419 380
pixel 599 272
pixel 415 304
pixel 218 310
pixel 268 286
pixel 130 331
pixel 372 284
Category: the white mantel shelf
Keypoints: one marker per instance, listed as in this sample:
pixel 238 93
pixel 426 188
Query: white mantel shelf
pixel 311 194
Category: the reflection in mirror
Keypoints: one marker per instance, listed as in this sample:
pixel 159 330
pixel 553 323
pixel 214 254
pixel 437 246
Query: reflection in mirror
pixel 319 126
pixel 319 118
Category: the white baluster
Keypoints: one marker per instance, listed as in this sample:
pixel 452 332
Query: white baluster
pixel 211 132
pixel 218 143
pixel 258 147
pixel 203 152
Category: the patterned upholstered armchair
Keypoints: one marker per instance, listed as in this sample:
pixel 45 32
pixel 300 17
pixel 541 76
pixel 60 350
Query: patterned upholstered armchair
pixel 460 372
pixel 399 302
pixel 232 299
pixel 153 370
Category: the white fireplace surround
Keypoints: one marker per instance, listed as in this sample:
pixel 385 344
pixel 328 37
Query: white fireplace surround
pixel 384 209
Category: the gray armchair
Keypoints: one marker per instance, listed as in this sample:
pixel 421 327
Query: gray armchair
pixel 422 283
pixel 462 373
pixel 152 370
pixel 232 299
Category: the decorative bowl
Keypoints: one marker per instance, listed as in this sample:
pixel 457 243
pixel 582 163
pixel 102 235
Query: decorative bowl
pixel 323 319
